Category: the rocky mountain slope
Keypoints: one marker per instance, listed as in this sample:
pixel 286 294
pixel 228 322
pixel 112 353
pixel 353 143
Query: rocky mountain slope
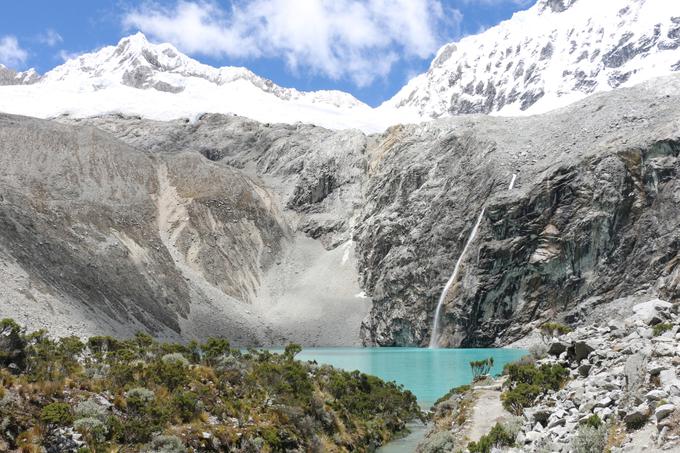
pixel 555 53
pixel 590 217
pixel 621 390
pixel 274 232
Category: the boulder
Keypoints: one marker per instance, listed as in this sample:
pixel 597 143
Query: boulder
pixel 635 370
pixel 656 395
pixel 582 350
pixel 668 377
pixel 584 369
pixel 636 418
pixel 651 312
pixel 663 411
pixel 557 347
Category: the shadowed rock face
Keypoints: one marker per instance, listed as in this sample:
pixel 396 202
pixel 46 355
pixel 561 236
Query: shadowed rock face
pixel 593 216
pixel 128 238
pixel 153 226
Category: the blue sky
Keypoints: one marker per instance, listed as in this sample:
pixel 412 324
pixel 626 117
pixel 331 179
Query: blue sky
pixel 369 48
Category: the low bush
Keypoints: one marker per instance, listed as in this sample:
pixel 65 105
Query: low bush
pixel 90 409
pixel 166 444
pixel 56 414
pixel 552 329
pixel 528 382
pixel 481 368
pixel 594 421
pixel 454 391
pixel 660 328
pixel 589 439
pixel 498 437
pixel 94 431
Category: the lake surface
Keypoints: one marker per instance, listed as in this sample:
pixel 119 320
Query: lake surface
pixel 428 373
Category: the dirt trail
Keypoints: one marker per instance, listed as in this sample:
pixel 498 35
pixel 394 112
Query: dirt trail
pixel 487 410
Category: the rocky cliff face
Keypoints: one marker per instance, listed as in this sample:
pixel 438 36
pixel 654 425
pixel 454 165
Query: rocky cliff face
pixel 266 233
pixel 591 217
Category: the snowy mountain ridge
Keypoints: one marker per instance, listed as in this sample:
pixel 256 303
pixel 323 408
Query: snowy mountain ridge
pixel 137 63
pixel 157 81
pixel 554 53
pixel 546 57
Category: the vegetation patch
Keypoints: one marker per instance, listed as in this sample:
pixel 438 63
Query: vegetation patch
pixel 498 437
pixel 660 328
pixel 142 395
pixel 527 382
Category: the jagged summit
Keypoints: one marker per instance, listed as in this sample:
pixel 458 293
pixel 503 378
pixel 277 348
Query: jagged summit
pixel 157 81
pixel 552 54
pixel 546 57
pixel 135 62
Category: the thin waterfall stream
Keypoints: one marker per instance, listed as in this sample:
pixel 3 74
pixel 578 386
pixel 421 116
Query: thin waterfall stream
pixel 434 338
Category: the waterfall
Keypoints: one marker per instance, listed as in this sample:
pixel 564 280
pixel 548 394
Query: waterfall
pixel 434 338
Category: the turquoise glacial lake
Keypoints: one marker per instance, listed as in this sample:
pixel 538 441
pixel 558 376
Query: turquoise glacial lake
pixel 428 373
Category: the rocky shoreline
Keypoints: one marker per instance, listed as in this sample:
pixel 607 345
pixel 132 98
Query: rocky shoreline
pixel 621 394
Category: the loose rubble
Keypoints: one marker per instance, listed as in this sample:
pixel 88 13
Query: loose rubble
pixel 622 393
pixel 620 372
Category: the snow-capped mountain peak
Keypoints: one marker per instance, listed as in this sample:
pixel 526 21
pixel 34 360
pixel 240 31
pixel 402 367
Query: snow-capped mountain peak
pixel 552 54
pixel 135 62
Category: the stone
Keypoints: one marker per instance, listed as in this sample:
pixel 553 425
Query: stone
pixel 663 411
pixel 654 368
pixel 581 350
pixel 533 436
pixel 584 369
pixel 604 402
pixel 649 312
pixel 656 395
pixel 637 417
pixel 668 377
pixel 635 370
pixel 557 348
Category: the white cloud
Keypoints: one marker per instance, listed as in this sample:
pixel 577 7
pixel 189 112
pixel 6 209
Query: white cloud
pixel 356 39
pixel 11 54
pixel 50 37
pixel 65 55
pixel 500 2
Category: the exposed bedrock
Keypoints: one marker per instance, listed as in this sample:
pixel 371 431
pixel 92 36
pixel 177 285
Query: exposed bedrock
pixel 593 216
pixel 197 228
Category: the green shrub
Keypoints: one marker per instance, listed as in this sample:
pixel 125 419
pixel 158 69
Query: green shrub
pixel 291 351
pixel 214 349
pixel 139 398
pixel 171 372
pixel 454 391
pixel 90 409
pixel 94 431
pixel 593 421
pixel 527 382
pixel 166 444
pixel 589 439
pixel 56 414
pixel 185 405
pixel 175 358
pixel 660 328
pixel 552 329
pixel 521 396
pixel 498 437
pixel 481 368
